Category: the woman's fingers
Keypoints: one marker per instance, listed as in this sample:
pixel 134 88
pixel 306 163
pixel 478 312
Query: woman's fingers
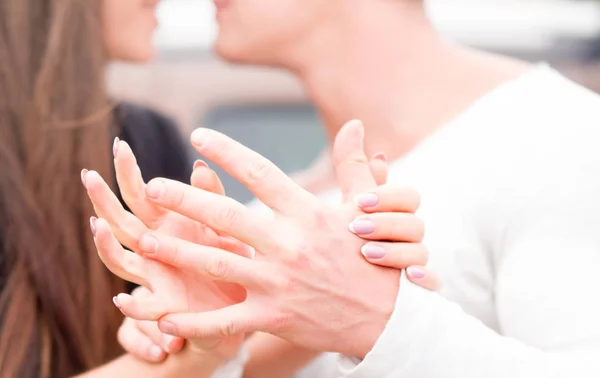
pixel 424 277
pixel 119 261
pixel 398 227
pixel 388 198
pixel 206 179
pixel 132 186
pixel 138 343
pixel 395 255
pixel 126 226
pixel 142 308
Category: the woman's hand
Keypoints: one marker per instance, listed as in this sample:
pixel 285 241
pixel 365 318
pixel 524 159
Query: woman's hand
pixel 170 290
pixel 390 217
pixel 144 340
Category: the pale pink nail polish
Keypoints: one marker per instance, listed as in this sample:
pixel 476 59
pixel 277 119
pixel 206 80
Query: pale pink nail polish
pixel 155 188
pixel 362 227
pixel 367 200
pixel 415 272
pixel 116 147
pixel 373 251
pixel 167 327
pixel 84 172
pixel 116 303
pixel 148 244
pixel 155 352
pixel 93 225
pixel 200 163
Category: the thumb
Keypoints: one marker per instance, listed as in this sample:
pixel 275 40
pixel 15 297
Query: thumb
pixel 350 161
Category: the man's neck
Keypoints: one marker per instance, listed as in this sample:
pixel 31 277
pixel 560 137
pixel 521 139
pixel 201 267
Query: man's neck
pixel 396 75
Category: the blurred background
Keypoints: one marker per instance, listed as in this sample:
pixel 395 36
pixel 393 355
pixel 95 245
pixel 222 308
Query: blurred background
pixel 267 110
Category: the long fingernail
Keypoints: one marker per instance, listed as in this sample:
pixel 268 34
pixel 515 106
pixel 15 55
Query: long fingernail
pixel 167 327
pixel 373 251
pixel 155 352
pixel 93 225
pixel 116 147
pixel 199 137
pixel 149 244
pixel 84 172
pixel 155 188
pixel 200 163
pixel 362 227
pixel 415 272
pixel 367 200
pixel 380 156
pixel 116 302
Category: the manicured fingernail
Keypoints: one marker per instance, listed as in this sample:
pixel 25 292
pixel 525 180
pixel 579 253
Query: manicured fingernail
pixel 93 225
pixel 155 352
pixel 199 137
pixel 415 272
pixel 362 227
pixel 115 147
pixel 149 244
pixel 84 172
pixel 373 251
pixel 155 188
pixel 166 342
pixel 167 327
pixel 367 200
pixel 380 156
pixel 200 163
pixel 116 302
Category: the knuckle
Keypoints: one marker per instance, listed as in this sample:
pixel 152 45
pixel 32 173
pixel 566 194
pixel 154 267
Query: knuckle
pixel 280 323
pixel 218 268
pixel 227 217
pixel 257 171
pixel 227 328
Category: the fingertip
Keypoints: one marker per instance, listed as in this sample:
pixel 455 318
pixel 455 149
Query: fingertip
pixel 416 272
pixel 200 164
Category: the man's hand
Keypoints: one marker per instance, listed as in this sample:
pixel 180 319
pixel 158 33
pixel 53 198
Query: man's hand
pixel 308 283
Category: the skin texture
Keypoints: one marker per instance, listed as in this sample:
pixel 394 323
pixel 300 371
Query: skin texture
pixel 281 263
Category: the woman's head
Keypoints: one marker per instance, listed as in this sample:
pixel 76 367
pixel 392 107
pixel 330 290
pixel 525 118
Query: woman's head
pixel 55 118
pixel 128 26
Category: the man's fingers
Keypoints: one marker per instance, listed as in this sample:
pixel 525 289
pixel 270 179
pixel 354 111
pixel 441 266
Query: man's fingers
pixel 267 182
pixel 400 227
pixel 424 277
pixel 389 198
pixel 351 164
pixel 206 179
pixel 119 261
pixel 395 255
pixel 132 186
pixel 134 341
pixel 212 262
pixel 221 213
pixel 228 321
pixel 126 226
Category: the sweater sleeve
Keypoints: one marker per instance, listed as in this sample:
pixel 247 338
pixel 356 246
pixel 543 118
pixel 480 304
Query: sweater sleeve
pixel 547 302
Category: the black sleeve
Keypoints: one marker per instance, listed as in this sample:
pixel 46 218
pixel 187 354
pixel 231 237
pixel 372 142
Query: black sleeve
pixel 156 142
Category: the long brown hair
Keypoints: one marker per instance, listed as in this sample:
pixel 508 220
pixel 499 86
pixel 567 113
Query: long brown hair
pixel 56 315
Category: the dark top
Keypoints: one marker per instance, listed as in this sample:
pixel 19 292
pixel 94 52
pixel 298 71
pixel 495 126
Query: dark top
pixel 159 149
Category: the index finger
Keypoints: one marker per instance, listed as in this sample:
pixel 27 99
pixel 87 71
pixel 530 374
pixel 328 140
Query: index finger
pixel 267 182
pixel 351 164
pixel 221 213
